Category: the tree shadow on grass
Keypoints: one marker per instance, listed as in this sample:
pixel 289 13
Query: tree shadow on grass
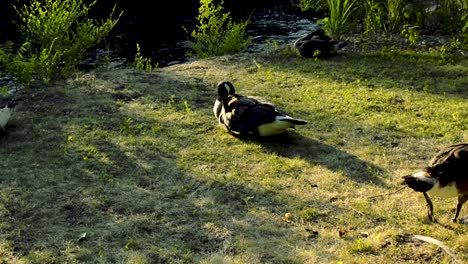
pixel 126 196
pixel 292 144
pixel 161 212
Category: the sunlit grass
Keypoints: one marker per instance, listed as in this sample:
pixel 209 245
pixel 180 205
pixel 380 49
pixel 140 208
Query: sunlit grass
pixel 136 161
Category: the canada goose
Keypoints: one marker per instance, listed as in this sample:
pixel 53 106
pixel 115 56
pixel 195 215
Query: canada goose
pixel 244 115
pixel 317 44
pixel 446 176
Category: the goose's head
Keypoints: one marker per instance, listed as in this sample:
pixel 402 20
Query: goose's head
pixel 221 103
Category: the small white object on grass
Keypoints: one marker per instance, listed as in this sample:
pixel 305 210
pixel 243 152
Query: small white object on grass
pixel 5 115
pixel 438 243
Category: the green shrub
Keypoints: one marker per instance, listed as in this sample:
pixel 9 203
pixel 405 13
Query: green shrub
pixel 142 63
pixel 448 14
pixel 216 34
pixel 411 33
pixel 375 16
pixel 312 5
pixel 338 22
pixel 396 15
pixel 57 35
pixel 415 13
pixel 464 32
pixel 22 67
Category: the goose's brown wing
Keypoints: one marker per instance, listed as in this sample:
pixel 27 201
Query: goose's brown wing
pixel 248 113
pixel 451 160
pixel 457 153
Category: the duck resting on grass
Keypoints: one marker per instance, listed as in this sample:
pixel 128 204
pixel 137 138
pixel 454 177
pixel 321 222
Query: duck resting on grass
pixel 446 176
pixel 250 116
pixel 317 45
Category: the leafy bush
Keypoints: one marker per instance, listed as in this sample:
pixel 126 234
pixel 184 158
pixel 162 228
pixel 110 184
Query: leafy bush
pixel 216 34
pixel 464 32
pixel 408 17
pixel 142 63
pixel 312 5
pixel 21 66
pixel 396 15
pixel 338 23
pixel 449 13
pixel 415 13
pixel 410 33
pixel 375 16
pixel 57 35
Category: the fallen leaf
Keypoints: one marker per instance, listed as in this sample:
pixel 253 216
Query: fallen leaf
pixel 341 233
pixel 287 217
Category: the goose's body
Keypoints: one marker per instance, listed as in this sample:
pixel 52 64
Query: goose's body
pixel 446 176
pixel 243 115
pixel 317 44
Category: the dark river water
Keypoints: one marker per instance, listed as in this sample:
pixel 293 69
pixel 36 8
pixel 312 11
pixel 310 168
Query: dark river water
pixel 267 26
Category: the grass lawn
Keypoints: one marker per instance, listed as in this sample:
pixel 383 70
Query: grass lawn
pixel 128 166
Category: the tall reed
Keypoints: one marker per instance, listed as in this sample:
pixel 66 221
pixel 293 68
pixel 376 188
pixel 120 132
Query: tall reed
pixel 337 23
